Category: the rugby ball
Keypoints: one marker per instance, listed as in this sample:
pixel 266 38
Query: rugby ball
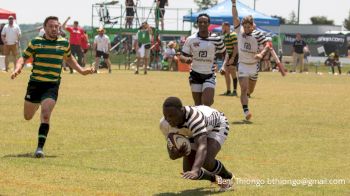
pixel 177 140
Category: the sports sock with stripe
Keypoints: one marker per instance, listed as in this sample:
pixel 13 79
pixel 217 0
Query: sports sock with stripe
pixel 221 171
pixel 43 131
pixel 245 108
pixel 204 175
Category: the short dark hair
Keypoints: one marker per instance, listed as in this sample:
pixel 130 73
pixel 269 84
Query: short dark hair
pixel 205 15
pixel 172 102
pixel 50 18
pixel 76 22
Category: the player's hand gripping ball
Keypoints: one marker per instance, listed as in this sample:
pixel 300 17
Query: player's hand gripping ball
pixel 179 142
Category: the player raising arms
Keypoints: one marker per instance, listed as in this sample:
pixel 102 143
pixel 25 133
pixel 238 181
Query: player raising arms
pixel 48 52
pixel 201 49
pixel 249 55
pixel 207 130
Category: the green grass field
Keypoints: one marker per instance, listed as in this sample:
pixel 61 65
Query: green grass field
pixel 104 137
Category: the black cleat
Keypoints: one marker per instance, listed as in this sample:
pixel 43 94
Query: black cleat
pixel 227 93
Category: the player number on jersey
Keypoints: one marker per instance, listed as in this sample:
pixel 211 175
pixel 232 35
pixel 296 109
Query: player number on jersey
pixel 247 46
pixel 203 54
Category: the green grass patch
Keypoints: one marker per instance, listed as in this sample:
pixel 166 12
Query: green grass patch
pixel 104 137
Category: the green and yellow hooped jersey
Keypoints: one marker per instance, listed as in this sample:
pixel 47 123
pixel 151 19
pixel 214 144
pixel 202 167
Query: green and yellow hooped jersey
pixel 48 56
pixel 230 40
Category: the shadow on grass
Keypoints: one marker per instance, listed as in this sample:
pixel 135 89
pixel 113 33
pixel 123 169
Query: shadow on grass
pixel 190 192
pixel 26 155
pixel 242 122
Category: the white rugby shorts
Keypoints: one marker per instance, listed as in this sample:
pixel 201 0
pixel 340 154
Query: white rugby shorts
pixel 250 71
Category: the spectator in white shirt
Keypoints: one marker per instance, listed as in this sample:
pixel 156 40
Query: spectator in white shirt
pixel 170 54
pixel 10 35
pixel 102 46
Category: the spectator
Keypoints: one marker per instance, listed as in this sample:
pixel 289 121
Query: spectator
pixel 306 55
pixel 41 32
pixel 102 46
pixel 129 13
pixel 169 56
pixel 116 40
pixel 298 53
pixel 1 42
pixel 160 11
pixel 75 40
pixel 142 46
pixel 10 35
pixel 155 49
pixel 333 60
pixel 85 45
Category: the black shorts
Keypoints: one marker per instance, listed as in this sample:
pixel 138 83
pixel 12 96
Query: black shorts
pixel 198 78
pixel 38 91
pixel 100 53
pixel 130 11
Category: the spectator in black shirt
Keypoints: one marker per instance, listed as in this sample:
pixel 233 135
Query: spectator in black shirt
pixel 160 11
pixel 298 53
pixel 129 13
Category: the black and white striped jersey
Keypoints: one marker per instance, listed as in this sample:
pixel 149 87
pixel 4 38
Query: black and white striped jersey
pixel 202 119
pixel 248 45
pixel 203 51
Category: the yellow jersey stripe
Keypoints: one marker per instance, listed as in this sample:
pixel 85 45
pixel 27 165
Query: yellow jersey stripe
pixel 49 47
pixel 27 53
pixel 53 56
pixel 48 65
pixel 46 72
pixel 44 79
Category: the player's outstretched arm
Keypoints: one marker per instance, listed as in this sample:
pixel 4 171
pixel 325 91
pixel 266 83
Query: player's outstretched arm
pixel 19 67
pixel 74 65
pixel 278 62
pixel 201 141
pixel 236 21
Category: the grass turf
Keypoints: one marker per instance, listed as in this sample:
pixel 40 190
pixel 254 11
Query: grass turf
pixel 104 137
